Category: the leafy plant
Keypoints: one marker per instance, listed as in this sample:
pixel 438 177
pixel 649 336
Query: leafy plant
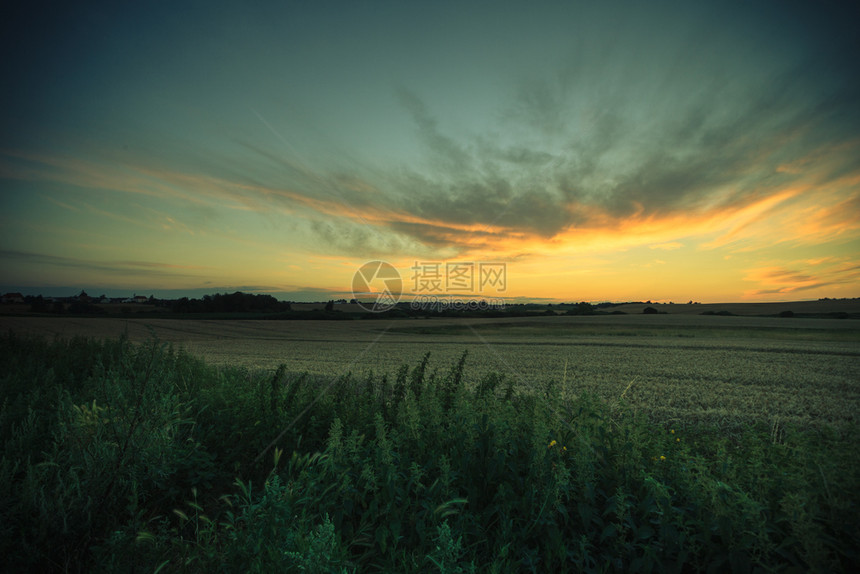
pixel 120 457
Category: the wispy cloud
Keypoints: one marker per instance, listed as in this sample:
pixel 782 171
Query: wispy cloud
pixel 803 276
pixel 64 205
pixel 670 161
pixel 109 267
pixel 482 215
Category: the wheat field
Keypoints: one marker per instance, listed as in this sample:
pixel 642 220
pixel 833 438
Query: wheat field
pixel 679 367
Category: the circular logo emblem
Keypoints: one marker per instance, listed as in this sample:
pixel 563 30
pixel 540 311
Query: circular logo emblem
pixel 377 286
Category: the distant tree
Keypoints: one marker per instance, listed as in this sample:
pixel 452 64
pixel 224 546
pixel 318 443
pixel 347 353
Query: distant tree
pixel 208 304
pixel 38 304
pixel 650 311
pixel 582 308
pixel 85 308
pixel 329 306
pixel 237 302
pixel 181 305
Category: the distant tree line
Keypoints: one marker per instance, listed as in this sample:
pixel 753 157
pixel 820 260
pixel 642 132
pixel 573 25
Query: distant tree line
pixel 39 304
pixel 237 302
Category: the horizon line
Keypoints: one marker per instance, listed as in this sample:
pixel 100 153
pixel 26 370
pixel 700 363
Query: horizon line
pixel 313 296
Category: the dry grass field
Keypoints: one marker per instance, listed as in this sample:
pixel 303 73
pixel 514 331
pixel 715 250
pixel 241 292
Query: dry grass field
pixel 675 442
pixel 685 367
pixel 822 306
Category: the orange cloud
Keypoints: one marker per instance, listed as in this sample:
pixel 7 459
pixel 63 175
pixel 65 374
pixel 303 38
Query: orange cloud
pixel 804 276
pixel 804 212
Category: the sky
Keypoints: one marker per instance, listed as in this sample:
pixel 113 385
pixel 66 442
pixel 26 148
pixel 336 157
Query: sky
pixel 597 151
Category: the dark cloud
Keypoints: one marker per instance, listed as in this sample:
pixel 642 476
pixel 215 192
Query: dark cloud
pixel 794 288
pixel 358 240
pixel 641 110
pixel 122 268
pixel 444 152
pixel 544 107
pixel 727 137
pixel 788 276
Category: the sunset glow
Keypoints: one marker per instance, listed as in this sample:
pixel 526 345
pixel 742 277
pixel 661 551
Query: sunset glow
pixel 666 151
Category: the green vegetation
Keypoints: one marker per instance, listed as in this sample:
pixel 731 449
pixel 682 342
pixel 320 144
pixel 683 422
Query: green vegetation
pixel 122 457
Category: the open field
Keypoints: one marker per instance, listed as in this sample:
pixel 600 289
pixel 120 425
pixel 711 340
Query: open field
pixel 684 367
pixel 721 446
pixel 824 306
pixel 651 443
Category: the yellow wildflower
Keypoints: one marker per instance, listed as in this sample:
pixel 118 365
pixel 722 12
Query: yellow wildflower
pixel 672 431
pixel 662 457
pixel 552 444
